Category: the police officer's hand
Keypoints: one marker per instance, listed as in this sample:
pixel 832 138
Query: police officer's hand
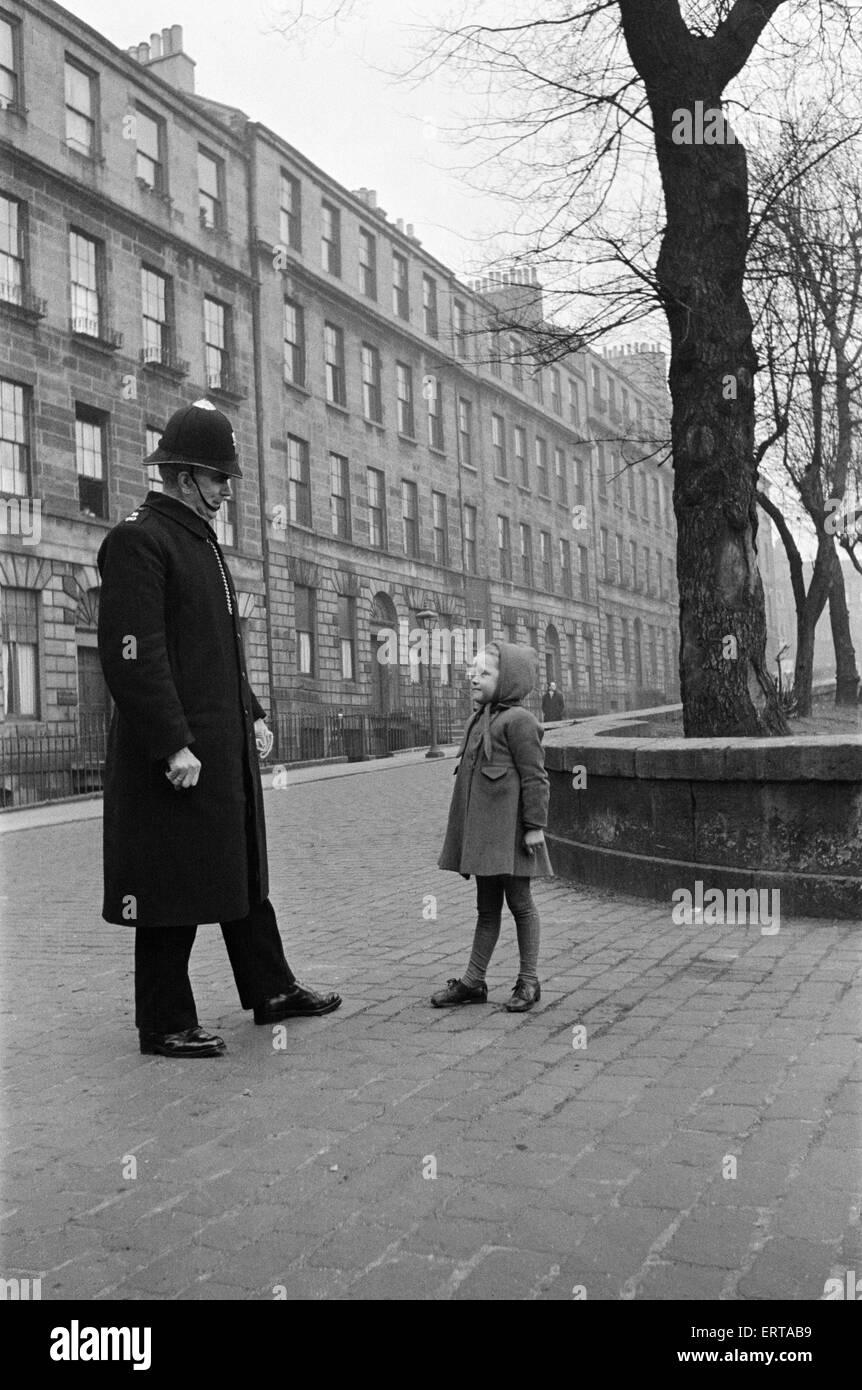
pixel 184 769
pixel 531 838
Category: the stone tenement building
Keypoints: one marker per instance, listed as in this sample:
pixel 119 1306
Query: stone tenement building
pixel 401 448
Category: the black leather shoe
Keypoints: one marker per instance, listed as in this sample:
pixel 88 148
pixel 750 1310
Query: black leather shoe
pixel 297 1002
pixel 194 1042
pixel 524 996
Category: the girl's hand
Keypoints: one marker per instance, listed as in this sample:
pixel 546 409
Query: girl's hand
pixel 533 837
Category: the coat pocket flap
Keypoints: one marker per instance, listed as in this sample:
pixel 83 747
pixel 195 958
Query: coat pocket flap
pixel 494 772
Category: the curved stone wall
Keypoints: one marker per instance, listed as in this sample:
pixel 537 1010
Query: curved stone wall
pixel 652 816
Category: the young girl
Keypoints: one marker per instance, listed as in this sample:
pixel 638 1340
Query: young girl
pixel 499 806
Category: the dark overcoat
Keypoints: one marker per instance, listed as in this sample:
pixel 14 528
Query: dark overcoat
pixel 172 654
pixel 501 786
pixel 553 706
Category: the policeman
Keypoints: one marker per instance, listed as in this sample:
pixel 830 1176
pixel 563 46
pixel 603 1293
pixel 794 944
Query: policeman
pixel 184 831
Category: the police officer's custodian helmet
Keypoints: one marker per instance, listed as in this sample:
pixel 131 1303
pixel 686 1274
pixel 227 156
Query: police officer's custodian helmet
pixel 199 434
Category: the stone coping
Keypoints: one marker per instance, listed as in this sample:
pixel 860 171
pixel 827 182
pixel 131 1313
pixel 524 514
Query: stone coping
pixel 800 758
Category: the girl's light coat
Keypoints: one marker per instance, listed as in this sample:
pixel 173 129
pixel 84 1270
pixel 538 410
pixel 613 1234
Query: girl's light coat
pixel 502 787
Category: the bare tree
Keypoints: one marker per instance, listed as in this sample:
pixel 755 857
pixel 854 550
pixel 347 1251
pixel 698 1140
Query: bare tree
pixel 806 281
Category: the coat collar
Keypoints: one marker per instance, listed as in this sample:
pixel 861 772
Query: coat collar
pixel 179 512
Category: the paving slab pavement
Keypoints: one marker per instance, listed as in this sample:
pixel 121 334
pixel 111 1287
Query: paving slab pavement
pixel 678 1119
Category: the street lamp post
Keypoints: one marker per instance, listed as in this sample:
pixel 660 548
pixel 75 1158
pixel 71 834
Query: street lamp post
pixel 428 618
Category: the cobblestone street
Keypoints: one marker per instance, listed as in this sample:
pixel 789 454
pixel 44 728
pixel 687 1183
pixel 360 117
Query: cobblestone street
pixel 703 1143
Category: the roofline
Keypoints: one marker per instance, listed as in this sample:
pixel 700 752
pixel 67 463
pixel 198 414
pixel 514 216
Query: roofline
pixel 271 137
pixel 78 31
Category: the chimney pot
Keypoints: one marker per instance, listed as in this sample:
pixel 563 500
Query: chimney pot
pixel 155 46
pixel 399 222
pixel 143 52
pixel 176 38
pixel 371 197
pixel 410 229
pixel 166 42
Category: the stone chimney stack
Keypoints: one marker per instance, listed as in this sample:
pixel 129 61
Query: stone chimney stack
pixel 165 57
pixel 516 295
pixel 644 364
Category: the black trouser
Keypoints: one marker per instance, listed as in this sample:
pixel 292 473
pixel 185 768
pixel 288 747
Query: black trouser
pixel 164 1002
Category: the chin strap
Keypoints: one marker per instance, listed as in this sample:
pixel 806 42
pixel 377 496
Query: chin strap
pixel 209 506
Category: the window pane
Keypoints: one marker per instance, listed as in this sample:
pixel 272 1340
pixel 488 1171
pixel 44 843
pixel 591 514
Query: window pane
pixel 339 484
pixel 83 254
pixel 207 174
pixel 404 387
pixel 147 131
pixel 7 45
pixel 330 238
pixel 214 322
pixel 208 190
pixel 84 279
pixel 88 441
pixel 154 477
pixel 11 259
pixel 225 523
pixel 153 294
pixel 79 90
pixel 290 214
pixel 371 395
pixel 14 444
pixel 400 302
pixel 298 481
pixel 367 264
pixel 294 343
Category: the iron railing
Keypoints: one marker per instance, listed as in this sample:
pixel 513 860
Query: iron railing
pixel 38 767
pixel 51 766
pixel 355 734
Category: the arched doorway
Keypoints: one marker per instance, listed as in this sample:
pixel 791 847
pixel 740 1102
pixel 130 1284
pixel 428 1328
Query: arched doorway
pixel 553 665
pixel 384 677
pixel 639 660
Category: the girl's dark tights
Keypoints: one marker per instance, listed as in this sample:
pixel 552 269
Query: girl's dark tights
pixel 490 893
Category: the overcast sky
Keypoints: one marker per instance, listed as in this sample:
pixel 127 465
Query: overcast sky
pixel 327 95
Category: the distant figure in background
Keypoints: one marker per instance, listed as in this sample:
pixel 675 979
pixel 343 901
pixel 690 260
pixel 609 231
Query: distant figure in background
pixel 553 704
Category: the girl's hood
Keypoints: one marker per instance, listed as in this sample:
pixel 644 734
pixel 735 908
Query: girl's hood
pixel 518 671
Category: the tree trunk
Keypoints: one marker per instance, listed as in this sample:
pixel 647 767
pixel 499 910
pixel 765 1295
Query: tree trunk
pixel 726 687
pixel 846 674
pixel 807 617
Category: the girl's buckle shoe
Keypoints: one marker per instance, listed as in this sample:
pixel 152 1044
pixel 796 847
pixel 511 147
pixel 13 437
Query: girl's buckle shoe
pixel 456 992
pixel 524 996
